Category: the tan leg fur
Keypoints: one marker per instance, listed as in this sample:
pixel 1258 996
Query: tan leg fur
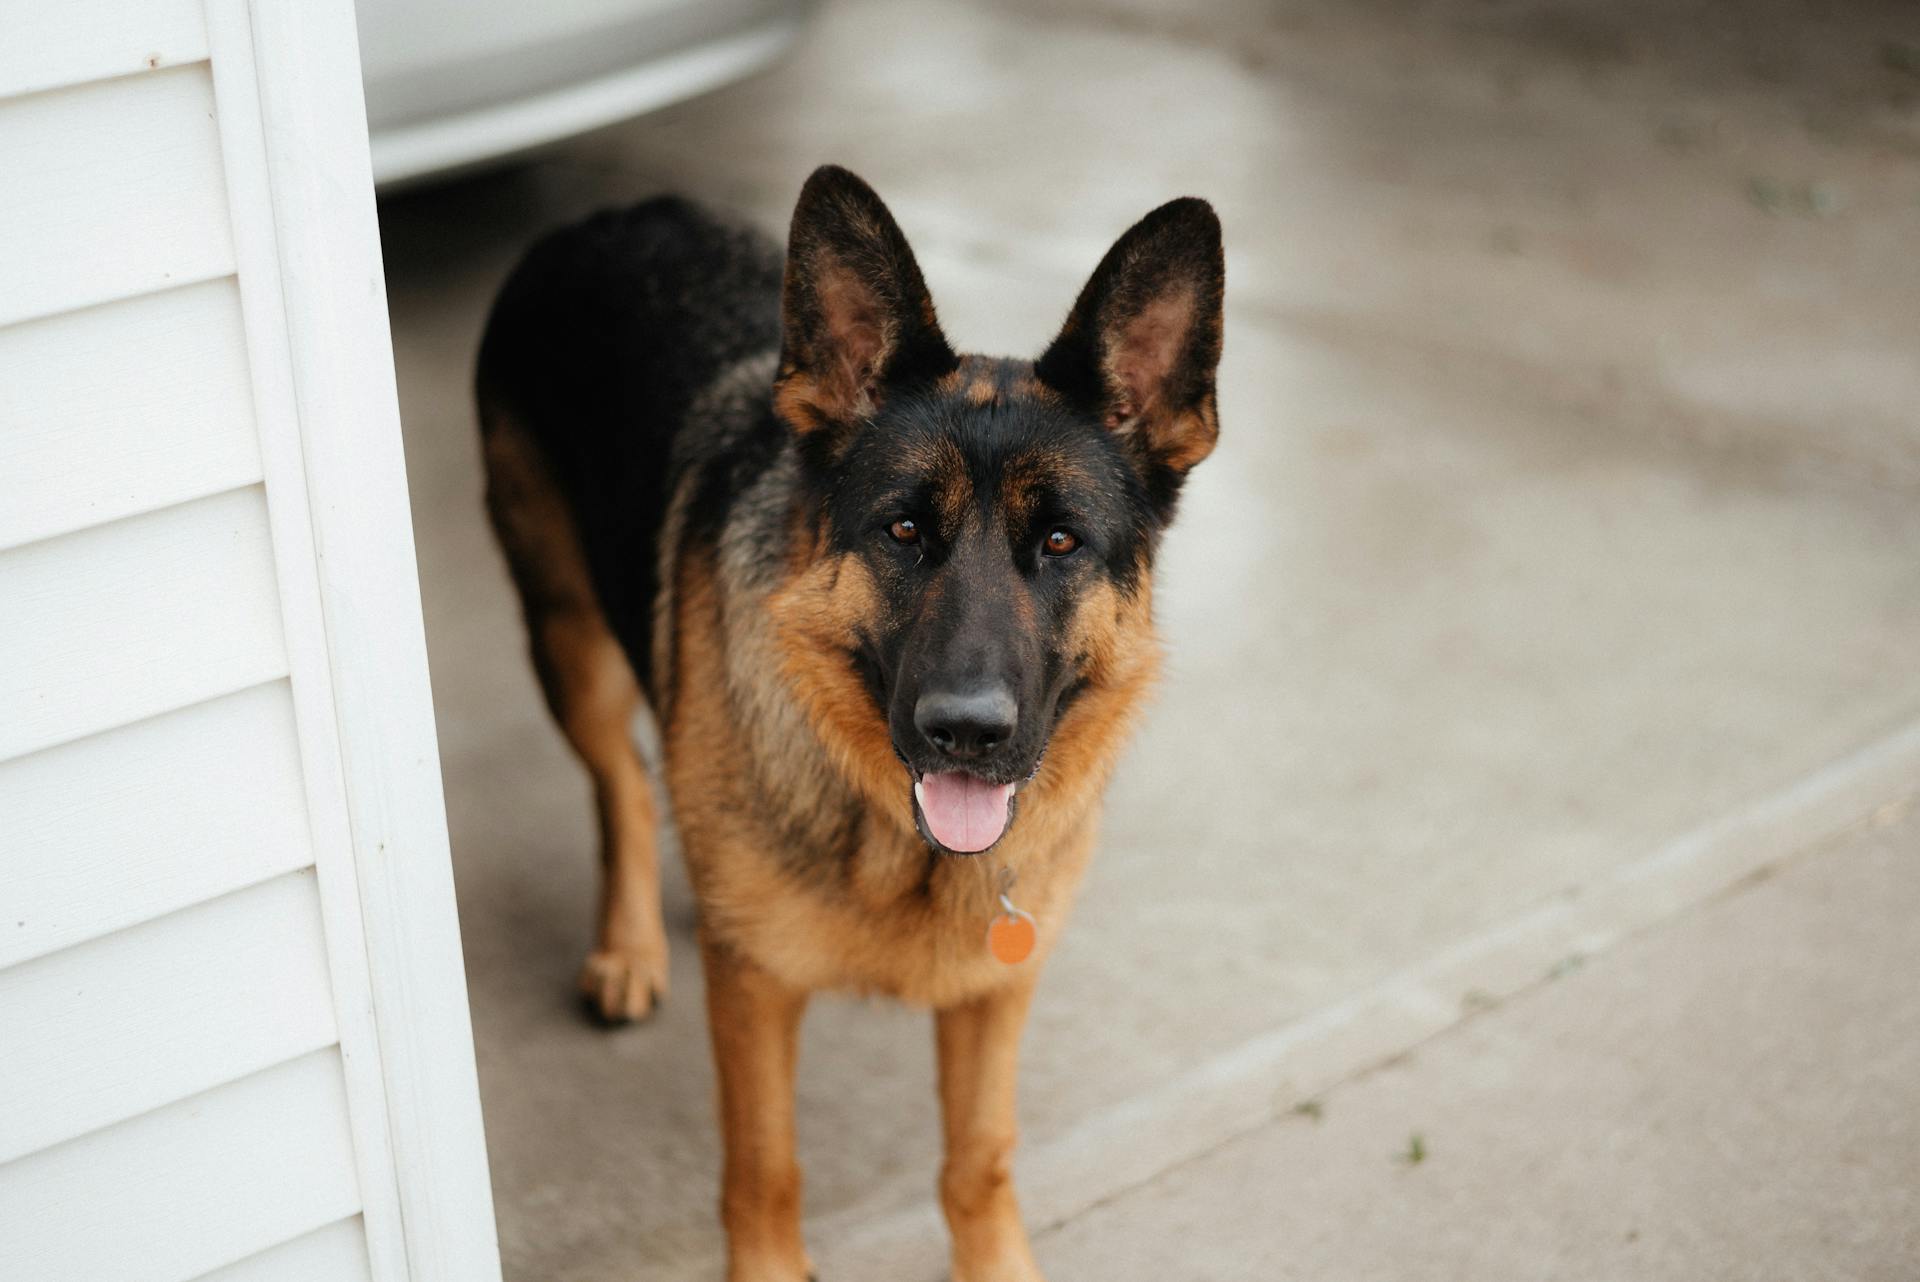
pixel 979 1045
pixel 591 691
pixel 754 1020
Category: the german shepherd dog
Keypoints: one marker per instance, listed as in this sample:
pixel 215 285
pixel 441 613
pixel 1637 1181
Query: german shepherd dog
pixel 889 605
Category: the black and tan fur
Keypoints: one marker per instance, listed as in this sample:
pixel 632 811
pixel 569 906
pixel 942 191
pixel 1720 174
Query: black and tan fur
pixel 763 497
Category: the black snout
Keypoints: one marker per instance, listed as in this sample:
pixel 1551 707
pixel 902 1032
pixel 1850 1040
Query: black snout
pixel 967 724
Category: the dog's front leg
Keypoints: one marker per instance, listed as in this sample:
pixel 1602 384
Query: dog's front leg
pixel 755 1023
pixel 979 1057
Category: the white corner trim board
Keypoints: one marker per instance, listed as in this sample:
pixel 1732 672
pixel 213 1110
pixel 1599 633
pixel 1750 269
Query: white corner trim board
pixel 323 230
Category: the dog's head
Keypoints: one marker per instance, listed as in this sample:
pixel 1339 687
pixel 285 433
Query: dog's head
pixel 985 526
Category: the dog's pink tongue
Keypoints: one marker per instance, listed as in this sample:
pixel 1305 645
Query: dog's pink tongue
pixel 963 813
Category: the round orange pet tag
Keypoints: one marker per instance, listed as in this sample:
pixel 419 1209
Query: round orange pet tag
pixel 1011 936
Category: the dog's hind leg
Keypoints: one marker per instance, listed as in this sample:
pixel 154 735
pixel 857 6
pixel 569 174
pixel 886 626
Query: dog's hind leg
pixel 592 693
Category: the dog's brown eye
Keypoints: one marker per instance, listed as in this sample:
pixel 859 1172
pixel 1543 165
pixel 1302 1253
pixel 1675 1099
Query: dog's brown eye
pixel 1061 542
pixel 904 531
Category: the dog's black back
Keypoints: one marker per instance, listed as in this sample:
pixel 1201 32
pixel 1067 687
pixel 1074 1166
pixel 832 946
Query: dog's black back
pixel 599 343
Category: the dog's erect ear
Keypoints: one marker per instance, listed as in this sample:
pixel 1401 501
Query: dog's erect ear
pixel 856 312
pixel 1142 342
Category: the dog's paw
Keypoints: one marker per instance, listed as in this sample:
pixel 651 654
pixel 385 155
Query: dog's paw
pixel 1015 1263
pixel 770 1270
pixel 1015 1271
pixel 623 985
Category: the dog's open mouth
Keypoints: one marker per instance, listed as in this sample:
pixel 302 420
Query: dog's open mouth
pixel 962 813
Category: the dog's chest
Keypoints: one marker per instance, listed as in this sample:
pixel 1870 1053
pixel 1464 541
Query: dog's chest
pixel 897 922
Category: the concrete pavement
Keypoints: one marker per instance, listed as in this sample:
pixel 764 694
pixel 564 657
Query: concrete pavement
pixel 1730 1096
pixel 1558 570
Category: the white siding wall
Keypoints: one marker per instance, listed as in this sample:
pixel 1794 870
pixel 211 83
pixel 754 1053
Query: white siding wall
pixel 192 1081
